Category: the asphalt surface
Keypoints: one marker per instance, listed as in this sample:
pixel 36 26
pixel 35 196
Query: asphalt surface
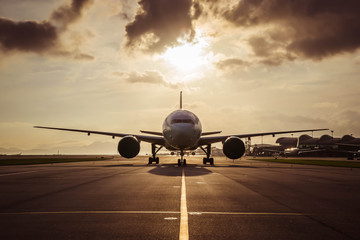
pixel 128 199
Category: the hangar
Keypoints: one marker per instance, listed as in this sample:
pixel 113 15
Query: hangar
pixel 305 145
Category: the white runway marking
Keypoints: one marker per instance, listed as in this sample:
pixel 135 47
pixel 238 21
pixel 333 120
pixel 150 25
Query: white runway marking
pixel 17 173
pixel 201 182
pixel 153 212
pixel 90 212
pixel 184 230
pixel 247 213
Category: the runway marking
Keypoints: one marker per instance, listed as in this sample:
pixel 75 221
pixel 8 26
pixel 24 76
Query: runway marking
pixel 201 182
pixel 184 230
pixel 247 213
pixel 153 212
pixel 17 173
pixel 90 212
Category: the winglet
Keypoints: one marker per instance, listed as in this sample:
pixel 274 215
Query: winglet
pixel 180 100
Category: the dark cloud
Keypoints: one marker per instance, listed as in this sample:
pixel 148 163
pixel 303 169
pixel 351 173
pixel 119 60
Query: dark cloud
pixel 270 49
pixel 28 36
pixel 39 37
pixel 160 23
pixel 313 29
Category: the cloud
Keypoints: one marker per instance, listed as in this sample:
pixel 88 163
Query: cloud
pixel 313 29
pixel 160 23
pixel 148 77
pixel 67 14
pixel 27 36
pixel 39 37
pixel 152 77
pixel 232 63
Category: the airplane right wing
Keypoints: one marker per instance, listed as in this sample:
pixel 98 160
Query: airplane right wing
pixel 215 139
pixel 210 133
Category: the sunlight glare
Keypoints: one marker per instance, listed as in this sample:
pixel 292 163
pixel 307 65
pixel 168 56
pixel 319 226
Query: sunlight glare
pixel 188 56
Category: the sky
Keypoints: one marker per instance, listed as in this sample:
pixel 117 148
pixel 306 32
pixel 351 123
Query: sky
pixel 119 65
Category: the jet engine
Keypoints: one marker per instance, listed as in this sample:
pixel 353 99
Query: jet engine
pixel 129 147
pixel 233 147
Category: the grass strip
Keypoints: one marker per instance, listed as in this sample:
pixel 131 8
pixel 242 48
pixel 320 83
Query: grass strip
pixel 29 161
pixel 327 163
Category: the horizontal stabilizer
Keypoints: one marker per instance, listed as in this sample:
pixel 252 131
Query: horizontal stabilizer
pixel 210 133
pixel 152 133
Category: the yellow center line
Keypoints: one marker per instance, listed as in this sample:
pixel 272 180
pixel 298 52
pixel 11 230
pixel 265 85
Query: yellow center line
pixel 184 230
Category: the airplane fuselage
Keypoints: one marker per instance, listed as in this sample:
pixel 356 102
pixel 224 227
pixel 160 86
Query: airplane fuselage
pixel 181 130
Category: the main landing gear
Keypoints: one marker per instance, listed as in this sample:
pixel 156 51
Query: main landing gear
pixel 181 161
pixel 207 151
pixel 154 151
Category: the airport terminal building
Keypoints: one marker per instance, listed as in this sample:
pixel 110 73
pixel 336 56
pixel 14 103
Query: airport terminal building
pixel 305 145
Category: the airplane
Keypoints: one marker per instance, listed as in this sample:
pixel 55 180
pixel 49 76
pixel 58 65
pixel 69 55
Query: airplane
pixel 181 131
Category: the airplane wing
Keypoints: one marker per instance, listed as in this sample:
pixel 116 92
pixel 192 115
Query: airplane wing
pixel 152 132
pixel 210 133
pixel 150 139
pixel 210 140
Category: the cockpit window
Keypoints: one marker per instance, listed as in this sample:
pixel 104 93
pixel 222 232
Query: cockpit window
pixel 182 121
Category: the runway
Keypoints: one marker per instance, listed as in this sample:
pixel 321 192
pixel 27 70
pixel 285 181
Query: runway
pixel 128 199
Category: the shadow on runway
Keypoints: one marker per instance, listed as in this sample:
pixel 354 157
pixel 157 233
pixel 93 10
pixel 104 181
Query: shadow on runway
pixel 172 170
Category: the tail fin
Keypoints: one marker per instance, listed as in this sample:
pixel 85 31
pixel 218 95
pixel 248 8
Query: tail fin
pixel 180 100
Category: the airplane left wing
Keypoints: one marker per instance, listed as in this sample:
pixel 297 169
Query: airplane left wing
pixel 215 139
pixel 150 139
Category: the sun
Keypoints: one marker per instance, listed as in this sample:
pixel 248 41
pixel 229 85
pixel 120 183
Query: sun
pixel 188 56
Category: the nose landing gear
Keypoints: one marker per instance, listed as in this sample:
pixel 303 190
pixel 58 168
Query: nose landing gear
pixel 181 161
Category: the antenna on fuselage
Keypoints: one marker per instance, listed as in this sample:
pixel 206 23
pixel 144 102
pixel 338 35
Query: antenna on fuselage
pixel 180 100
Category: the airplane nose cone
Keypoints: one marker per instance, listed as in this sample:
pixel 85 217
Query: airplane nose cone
pixel 183 139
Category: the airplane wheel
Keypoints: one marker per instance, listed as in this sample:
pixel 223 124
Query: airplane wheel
pixel 184 162
pixel 212 161
pixel 204 160
pixel 157 160
pixel 150 160
pixel 179 163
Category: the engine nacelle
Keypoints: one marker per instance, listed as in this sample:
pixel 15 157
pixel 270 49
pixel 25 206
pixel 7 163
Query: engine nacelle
pixel 129 147
pixel 233 147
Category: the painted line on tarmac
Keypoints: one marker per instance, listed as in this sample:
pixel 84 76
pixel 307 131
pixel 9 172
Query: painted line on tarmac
pixel 184 229
pixel 16 173
pixel 247 213
pixel 90 212
pixel 151 212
